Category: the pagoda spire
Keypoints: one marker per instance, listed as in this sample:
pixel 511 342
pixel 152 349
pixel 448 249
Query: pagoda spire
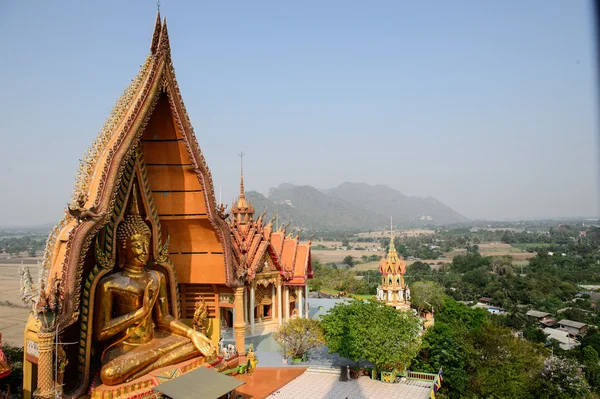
pixel 392 250
pixel 242 191
pixel 156 33
pixel 242 210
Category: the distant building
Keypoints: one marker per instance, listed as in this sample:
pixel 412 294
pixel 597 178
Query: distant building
pixel 566 342
pixel 486 300
pixel 490 308
pixel 544 319
pixel 574 328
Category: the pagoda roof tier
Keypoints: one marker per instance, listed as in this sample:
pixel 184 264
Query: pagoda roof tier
pixel 393 263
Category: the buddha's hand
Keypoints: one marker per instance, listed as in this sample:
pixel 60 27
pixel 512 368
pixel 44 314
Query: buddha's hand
pixel 202 343
pixel 148 301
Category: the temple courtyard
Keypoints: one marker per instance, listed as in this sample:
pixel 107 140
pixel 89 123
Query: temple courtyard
pixel 317 384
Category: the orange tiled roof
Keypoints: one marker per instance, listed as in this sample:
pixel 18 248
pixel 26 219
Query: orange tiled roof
pixel 302 262
pixel 251 240
pixel 277 238
pixel 288 254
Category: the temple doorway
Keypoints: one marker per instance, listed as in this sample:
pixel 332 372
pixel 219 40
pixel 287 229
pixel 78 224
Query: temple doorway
pixel 226 318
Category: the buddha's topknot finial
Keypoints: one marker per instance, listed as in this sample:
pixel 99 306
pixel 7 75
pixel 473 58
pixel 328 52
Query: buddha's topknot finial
pixel 132 223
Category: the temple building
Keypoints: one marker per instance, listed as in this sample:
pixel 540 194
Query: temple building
pixel 141 244
pixel 393 290
pixel 277 268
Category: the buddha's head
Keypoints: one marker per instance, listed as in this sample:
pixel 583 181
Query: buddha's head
pixel 133 236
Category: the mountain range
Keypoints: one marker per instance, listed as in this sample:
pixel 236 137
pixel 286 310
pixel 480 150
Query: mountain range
pixel 351 206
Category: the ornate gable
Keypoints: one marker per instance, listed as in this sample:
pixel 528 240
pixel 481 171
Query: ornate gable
pixel 150 107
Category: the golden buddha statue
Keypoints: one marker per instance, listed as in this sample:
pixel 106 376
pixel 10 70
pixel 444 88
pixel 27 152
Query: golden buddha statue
pixel 132 313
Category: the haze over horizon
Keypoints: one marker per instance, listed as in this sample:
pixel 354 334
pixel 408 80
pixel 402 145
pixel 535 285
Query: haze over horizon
pixel 489 108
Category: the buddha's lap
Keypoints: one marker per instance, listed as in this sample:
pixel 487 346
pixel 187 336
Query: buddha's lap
pixel 161 344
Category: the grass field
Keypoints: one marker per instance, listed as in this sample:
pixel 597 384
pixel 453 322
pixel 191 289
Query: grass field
pixel 329 291
pixel 527 247
pixel 327 256
pixel 403 233
pixel 490 249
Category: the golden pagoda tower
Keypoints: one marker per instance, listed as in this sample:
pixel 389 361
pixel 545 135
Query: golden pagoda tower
pixel 393 290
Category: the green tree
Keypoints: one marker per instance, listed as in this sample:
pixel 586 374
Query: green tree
pixel 372 331
pixel 561 379
pixel 470 261
pixel 535 335
pixel 425 294
pixel 349 260
pixel 299 336
pixel 591 363
pixel 502 365
pixel 316 284
pixel 419 267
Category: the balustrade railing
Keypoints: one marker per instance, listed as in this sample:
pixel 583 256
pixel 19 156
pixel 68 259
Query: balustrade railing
pixel 421 376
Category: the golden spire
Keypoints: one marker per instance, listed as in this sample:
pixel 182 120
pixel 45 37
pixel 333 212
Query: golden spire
pixel 392 248
pixel 242 209
pixel 132 223
pixel 392 254
pixel 133 205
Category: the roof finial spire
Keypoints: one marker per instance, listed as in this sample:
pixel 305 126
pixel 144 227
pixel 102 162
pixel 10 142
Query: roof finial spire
pixel 158 5
pixel 241 154
pixel 392 248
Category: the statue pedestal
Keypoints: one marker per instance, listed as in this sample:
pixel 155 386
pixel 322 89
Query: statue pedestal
pixel 142 387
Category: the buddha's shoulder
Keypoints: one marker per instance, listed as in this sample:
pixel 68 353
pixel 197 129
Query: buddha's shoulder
pixel 157 275
pixel 110 278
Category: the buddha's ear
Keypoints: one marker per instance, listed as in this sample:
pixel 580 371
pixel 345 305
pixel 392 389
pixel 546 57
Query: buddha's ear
pixel 120 259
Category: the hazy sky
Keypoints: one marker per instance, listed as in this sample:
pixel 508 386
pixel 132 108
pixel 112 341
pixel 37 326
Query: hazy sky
pixel 489 107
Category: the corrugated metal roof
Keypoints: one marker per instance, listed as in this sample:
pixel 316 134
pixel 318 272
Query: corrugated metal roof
pixel 200 383
pixel 537 313
pixel 571 323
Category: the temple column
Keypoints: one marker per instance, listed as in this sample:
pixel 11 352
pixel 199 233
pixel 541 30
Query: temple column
pixel 279 299
pixel 286 303
pixel 246 306
pixel 45 379
pixel 299 301
pixel 306 307
pixel 251 310
pixel 272 301
pixel 239 325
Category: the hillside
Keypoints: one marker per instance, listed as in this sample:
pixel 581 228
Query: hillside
pixel 351 206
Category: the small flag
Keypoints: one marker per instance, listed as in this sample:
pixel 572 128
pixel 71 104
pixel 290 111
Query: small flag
pixel 432 395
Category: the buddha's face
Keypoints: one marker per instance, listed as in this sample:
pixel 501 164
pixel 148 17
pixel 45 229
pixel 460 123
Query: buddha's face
pixel 136 250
